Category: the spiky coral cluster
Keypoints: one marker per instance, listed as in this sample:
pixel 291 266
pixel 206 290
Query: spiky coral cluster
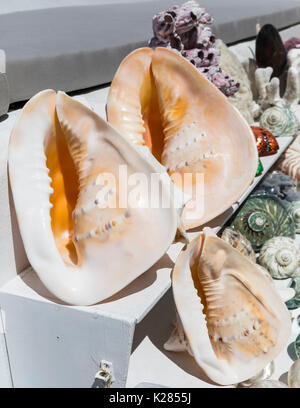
pixel 185 28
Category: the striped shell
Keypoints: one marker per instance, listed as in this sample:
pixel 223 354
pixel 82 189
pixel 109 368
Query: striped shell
pixel 159 99
pixel 281 257
pixel 83 245
pixel 233 318
pixel 291 164
pixel 280 121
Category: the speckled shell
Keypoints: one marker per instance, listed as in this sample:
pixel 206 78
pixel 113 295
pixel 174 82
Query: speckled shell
pixel 281 257
pixel 159 99
pixel 280 121
pixel 239 242
pixel 265 141
pixel 82 249
pixel 262 217
pixel 294 210
pixel 232 316
pixel 269 384
pixel 294 375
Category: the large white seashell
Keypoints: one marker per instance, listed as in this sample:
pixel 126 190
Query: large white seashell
pixel 268 384
pixel 159 99
pixel 281 257
pixel 294 375
pixel 233 318
pixel 82 250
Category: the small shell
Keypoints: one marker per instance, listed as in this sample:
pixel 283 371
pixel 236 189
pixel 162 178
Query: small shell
pixel 279 121
pixel 266 143
pixel 294 375
pixel 290 164
pixel 239 242
pixel 294 303
pixel 281 257
pixel 297 346
pixel 262 217
pixel 268 384
pixel 264 374
pixel 294 210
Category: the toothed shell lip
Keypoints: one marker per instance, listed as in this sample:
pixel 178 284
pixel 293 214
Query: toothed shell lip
pixel 190 310
pixel 88 283
pixel 118 106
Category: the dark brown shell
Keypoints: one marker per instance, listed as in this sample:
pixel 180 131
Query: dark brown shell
pixel 265 141
pixel 270 50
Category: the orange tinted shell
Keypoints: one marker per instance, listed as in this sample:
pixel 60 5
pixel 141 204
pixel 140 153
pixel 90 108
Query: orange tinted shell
pixel 159 99
pixel 265 141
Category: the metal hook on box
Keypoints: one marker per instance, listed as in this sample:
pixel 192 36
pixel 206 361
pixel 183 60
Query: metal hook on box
pixel 104 377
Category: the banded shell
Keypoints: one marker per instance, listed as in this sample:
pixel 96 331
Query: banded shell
pixel 84 246
pixel 291 164
pixel 262 217
pixel 232 316
pixel 281 257
pixel 294 303
pixel 268 384
pixel 280 121
pixel 294 375
pixel 294 210
pixel 239 242
pixel 159 99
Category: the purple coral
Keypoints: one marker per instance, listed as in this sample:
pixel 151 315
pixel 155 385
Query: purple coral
pixel 185 28
pixel 293 42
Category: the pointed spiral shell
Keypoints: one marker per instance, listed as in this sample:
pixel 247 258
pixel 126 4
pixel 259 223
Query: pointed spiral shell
pixel 281 257
pixel 280 121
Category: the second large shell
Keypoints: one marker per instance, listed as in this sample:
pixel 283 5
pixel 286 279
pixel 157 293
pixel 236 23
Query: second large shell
pixel 159 99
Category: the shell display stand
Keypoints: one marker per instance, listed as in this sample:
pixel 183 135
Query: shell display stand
pixel 45 343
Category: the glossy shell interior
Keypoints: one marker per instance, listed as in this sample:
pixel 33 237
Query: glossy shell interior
pixel 159 99
pixel 233 318
pixel 84 244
